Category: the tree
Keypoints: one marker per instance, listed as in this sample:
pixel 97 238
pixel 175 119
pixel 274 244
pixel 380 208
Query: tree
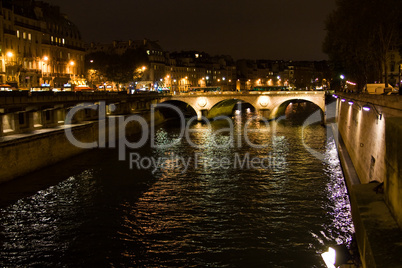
pixel 115 67
pixel 122 68
pixel 360 33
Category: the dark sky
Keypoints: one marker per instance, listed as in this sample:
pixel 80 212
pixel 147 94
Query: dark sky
pixel 263 29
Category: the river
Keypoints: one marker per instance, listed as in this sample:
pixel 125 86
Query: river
pixel 209 205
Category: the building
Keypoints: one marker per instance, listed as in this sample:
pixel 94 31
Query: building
pixel 177 71
pixel 39 46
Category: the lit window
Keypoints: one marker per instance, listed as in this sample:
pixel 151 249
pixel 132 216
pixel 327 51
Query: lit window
pixel 18 34
pixel 24 35
pixel 29 36
pixel 51 39
pixel 63 41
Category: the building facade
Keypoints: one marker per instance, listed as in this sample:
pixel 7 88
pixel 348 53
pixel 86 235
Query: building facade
pixel 177 71
pixel 39 46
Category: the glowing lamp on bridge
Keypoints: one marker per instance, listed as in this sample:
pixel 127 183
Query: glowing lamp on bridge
pixel 263 101
pixel 202 102
pixel 350 102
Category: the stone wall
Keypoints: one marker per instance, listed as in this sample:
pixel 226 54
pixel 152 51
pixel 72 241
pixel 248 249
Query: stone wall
pixel 32 151
pixel 372 139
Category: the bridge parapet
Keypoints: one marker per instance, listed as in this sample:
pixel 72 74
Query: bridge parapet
pixel 25 111
pixel 266 103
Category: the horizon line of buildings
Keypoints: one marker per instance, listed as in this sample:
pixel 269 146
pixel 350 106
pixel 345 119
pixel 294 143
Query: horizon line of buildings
pixel 191 69
pixel 40 46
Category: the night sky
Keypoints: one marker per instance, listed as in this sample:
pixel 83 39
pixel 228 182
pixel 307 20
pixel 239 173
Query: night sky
pixel 253 29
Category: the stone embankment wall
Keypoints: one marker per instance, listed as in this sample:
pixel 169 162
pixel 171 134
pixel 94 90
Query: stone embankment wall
pixel 31 151
pixel 370 151
pixel 373 140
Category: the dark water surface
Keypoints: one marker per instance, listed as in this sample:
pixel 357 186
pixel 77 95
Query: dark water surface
pixel 94 211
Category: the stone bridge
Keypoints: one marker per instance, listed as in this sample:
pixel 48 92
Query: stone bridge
pixel 267 104
pixel 22 112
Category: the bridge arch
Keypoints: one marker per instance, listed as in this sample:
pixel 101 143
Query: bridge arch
pixel 279 107
pixel 226 107
pixel 266 104
pixel 185 107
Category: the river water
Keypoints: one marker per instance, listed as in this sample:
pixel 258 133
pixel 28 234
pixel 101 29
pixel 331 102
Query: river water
pixel 236 206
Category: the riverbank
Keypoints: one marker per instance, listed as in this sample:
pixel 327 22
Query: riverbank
pixel 377 232
pixel 21 154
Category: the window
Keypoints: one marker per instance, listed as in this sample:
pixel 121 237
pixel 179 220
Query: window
pixel 18 33
pixel 24 35
pixel 29 36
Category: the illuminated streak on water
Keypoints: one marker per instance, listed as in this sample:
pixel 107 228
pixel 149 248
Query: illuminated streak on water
pixel 103 214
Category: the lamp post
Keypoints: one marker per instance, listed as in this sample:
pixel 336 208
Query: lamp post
pixel 44 67
pixel 342 77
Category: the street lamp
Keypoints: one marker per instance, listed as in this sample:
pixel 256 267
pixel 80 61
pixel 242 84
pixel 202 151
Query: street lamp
pixel 44 67
pixel 10 54
pixel 342 77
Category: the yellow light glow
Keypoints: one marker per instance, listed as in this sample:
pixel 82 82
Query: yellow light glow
pixel 45 58
pixel 329 257
pixel 10 54
pixel 263 100
pixel 72 63
pixel 144 68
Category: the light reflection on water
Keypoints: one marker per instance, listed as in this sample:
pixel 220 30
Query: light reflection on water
pixel 109 215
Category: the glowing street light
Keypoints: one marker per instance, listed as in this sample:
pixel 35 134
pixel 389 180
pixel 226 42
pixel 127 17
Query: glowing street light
pixel 10 54
pixel 336 256
pixel 72 63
